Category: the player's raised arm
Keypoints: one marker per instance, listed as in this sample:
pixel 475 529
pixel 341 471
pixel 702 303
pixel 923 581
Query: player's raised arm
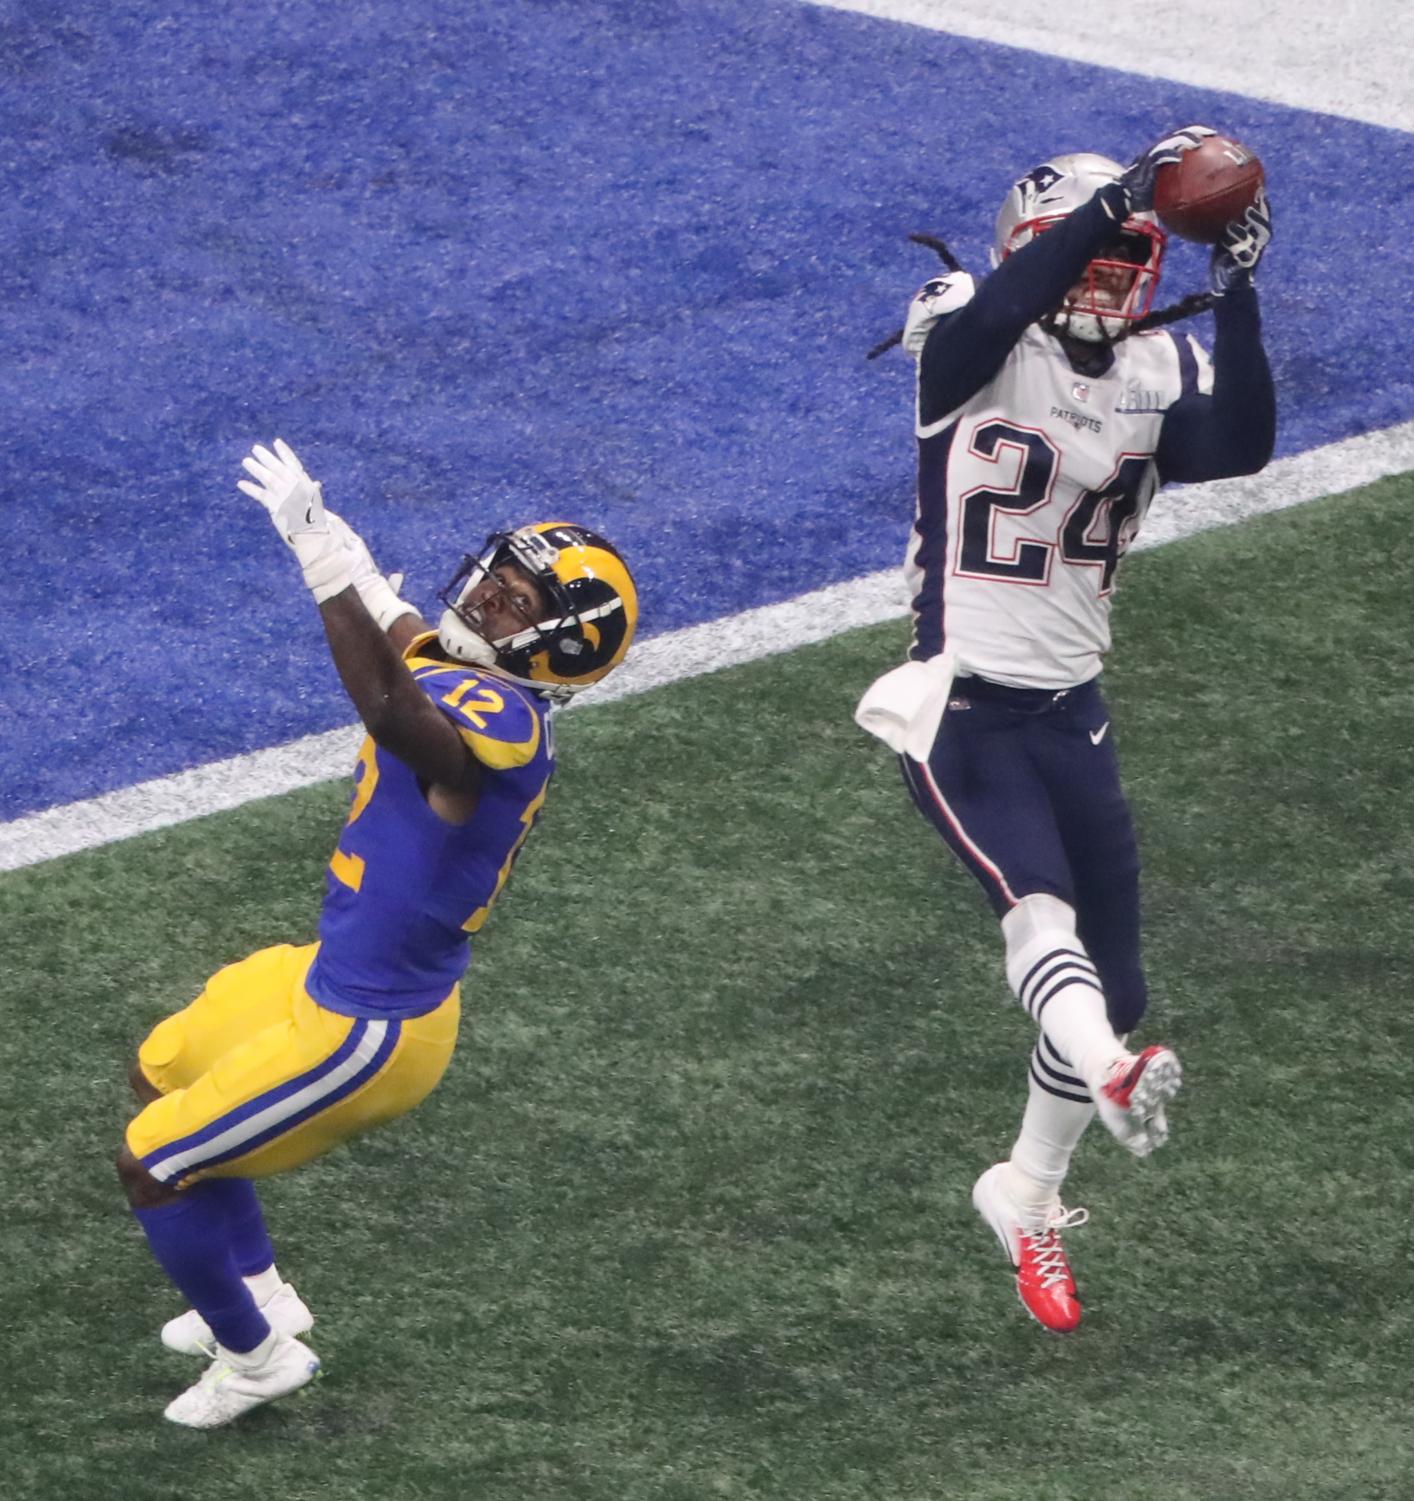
pixel 1055 222
pixel 965 348
pixel 1233 430
pixel 397 714
pixel 380 597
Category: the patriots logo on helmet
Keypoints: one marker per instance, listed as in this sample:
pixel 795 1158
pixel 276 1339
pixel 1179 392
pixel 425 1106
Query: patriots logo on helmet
pixel 1040 179
pixel 1037 181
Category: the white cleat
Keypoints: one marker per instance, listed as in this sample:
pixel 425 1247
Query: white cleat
pixel 190 1334
pixel 1132 1100
pixel 230 1386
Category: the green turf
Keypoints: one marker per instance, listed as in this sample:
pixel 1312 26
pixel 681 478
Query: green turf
pixel 689 1217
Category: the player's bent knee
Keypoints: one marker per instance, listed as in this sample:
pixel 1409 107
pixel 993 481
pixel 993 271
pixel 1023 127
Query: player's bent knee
pixel 1038 922
pixel 1039 912
pixel 1126 1004
pixel 143 1190
pixel 142 1086
pixel 160 1052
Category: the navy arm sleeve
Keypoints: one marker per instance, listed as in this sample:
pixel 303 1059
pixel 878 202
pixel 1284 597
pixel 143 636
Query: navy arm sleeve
pixel 1233 431
pixel 966 349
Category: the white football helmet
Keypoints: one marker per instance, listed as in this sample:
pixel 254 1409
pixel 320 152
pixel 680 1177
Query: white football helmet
pixel 1118 286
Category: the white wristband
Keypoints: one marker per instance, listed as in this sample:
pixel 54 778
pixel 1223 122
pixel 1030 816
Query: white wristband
pixel 381 601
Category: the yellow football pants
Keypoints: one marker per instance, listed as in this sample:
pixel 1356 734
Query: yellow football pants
pixel 256 1078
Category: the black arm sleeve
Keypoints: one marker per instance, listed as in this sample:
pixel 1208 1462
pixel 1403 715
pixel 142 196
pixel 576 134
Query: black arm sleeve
pixel 1233 431
pixel 966 349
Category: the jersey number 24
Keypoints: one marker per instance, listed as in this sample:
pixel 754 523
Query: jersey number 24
pixel 1107 510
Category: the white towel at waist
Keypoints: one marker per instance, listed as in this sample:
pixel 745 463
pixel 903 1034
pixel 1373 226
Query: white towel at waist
pixel 904 708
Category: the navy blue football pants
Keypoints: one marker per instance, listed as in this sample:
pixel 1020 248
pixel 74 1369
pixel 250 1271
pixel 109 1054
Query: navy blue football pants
pixel 1023 785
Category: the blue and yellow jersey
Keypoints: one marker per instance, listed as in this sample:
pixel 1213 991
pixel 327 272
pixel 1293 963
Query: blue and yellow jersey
pixel 407 889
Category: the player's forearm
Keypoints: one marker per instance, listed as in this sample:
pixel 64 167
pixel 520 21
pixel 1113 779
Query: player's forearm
pixel 1233 431
pixel 968 348
pixel 405 630
pixel 373 674
pixel 394 710
pixel 1244 398
pixel 1031 282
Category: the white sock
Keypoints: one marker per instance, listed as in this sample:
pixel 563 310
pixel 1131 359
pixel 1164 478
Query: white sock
pixel 1052 976
pixel 1057 1112
pixel 249 1360
pixel 264 1285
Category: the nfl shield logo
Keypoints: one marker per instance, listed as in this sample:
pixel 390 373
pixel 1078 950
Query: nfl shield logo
pixel 1080 391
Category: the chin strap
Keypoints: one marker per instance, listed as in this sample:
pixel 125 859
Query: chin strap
pixel 1185 307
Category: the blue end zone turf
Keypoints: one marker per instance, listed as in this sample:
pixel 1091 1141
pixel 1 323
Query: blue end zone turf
pixel 616 262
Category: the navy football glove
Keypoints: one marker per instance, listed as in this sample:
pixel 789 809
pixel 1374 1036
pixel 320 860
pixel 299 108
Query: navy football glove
pixel 1244 241
pixel 1139 175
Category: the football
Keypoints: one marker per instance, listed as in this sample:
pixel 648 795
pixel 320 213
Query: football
pixel 1201 193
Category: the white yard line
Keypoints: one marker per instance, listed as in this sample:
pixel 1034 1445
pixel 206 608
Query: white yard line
pixel 1350 58
pixel 677 655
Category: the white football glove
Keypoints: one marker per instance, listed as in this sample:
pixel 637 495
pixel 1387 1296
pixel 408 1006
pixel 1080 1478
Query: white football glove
pixel 1242 246
pixel 296 506
pixel 935 299
pixel 379 594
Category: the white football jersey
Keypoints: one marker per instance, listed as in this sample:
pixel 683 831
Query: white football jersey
pixel 1028 496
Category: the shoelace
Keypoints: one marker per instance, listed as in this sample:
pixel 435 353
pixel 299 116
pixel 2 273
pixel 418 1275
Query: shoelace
pixel 1047 1253
pixel 218 1372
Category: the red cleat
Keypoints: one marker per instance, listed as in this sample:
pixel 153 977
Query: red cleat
pixel 1132 1099
pixel 1032 1242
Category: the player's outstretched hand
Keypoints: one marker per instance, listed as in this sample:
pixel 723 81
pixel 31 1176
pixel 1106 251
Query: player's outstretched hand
pixel 1139 175
pixel 279 482
pixel 296 505
pixel 1242 246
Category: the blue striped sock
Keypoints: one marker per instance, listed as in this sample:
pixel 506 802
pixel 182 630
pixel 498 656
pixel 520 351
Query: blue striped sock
pixel 190 1240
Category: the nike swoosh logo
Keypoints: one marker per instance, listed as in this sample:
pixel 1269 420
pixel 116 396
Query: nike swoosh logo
pixel 1098 735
